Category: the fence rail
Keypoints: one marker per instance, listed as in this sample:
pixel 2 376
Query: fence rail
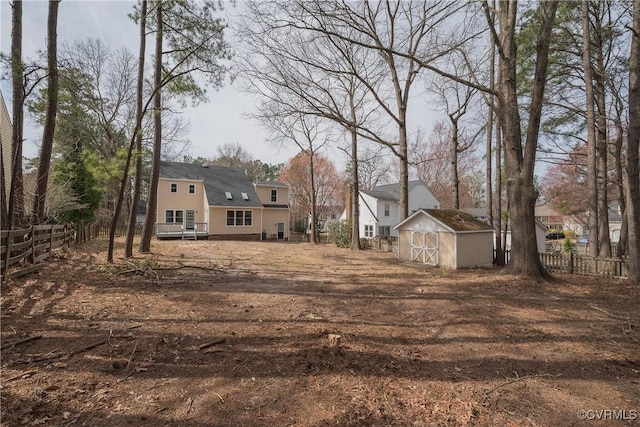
pixel 576 263
pixel 24 249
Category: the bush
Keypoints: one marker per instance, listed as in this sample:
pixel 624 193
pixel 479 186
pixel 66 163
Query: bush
pixel 566 246
pixel 298 226
pixel 340 233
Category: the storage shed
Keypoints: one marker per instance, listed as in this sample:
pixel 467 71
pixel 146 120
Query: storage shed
pixel 446 238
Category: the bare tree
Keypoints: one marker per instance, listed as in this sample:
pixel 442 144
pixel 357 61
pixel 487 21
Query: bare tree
pixel 137 183
pixel 15 208
pixel 519 157
pixel 38 212
pixel 633 146
pixel 197 52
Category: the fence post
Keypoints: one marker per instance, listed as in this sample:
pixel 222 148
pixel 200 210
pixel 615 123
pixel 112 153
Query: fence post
pixel 8 253
pixel 33 245
pixel 51 241
pixel 570 263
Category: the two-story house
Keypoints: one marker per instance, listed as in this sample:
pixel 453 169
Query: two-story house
pixel 380 208
pixel 218 202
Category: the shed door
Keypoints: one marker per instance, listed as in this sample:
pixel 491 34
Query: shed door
pixel 424 247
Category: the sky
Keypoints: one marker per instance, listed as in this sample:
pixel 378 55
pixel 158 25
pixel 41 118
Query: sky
pixel 220 121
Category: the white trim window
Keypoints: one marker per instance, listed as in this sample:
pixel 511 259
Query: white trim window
pixel 174 187
pixel 387 209
pixel 384 230
pixel 274 195
pixel 192 189
pixel 239 218
pixel 368 230
pixel 173 216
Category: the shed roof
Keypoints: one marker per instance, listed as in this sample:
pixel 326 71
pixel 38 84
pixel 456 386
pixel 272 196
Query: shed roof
pixel 455 220
pixel 217 181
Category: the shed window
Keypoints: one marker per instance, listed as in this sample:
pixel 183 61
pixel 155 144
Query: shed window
pixel 174 187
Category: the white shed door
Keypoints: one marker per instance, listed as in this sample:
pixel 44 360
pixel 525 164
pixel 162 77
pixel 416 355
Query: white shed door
pixel 424 247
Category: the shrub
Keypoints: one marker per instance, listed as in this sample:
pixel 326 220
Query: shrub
pixel 340 233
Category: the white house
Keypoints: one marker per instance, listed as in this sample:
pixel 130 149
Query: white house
pixel 380 207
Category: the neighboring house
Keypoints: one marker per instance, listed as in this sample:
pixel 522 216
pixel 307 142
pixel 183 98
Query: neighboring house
pixel 327 215
pixel 541 241
pixel 6 135
pixel 478 213
pixel 380 208
pixel 445 237
pixel 219 203
pixel 548 216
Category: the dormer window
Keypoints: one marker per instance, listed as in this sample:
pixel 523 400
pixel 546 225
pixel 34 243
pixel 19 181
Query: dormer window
pixel 245 196
pixel 174 187
pixel 228 195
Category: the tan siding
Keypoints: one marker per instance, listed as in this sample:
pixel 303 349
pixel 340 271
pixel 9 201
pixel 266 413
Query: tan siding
pixel 447 250
pixel 404 250
pixel 218 221
pixel 264 194
pixel 475 249
pixel 6 131
pixel 181 200
pixel 271 218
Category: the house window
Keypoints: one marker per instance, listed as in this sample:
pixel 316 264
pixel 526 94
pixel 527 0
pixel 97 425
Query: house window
pixel 239 218
pixel 228 195
pixel 192 189
pixel 368 231
pixel 274 195
pixel 384 230
pixel 245 196
pixel 387 208
pixel 174 187
pixel 173 217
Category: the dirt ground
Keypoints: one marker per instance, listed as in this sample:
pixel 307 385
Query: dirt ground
pixel 214 333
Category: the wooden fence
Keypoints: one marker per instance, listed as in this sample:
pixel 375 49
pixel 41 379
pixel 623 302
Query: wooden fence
pixel 575 263
pixel 24 249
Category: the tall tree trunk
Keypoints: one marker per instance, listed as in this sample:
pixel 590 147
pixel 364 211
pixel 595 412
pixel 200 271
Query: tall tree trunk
pixel 313 197
pixel 454 162
pixel 519 160
pixel 355 193
pixel 633 146
pixel 38 212
pixel 128 251
pixel 404 167
pixel 149 223
pixel 602 180
pixel 16 208
pixel 592 164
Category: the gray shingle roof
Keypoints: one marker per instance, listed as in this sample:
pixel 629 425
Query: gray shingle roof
pixel 217 180
pixel 389 191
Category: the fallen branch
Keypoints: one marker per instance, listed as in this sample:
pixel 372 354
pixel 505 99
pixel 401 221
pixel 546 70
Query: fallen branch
pixel 22 341
pixel 610 314
pixel 86 348
pixel 515 380
pixel 212 343
pixel 15 377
